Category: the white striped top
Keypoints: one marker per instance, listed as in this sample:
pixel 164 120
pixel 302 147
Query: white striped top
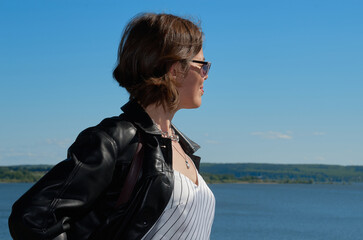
pixel 189 213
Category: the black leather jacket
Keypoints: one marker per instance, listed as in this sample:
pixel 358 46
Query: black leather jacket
pixel 78 195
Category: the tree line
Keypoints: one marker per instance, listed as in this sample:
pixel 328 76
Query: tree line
pixel 229 173
pixel 282 173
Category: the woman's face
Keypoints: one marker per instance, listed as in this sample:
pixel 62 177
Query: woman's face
pixel 191 85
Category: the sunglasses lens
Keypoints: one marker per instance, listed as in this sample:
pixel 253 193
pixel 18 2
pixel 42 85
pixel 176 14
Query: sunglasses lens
pixel 205 69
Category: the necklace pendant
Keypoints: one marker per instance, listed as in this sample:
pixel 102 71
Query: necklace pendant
pixel 174 137
pixel 187 163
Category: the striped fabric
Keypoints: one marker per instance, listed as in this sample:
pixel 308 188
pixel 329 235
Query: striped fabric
pixel 189 213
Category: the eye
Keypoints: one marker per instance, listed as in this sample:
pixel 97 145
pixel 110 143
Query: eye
pixel 204 69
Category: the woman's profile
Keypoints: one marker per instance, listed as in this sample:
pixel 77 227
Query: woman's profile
pixel 90 195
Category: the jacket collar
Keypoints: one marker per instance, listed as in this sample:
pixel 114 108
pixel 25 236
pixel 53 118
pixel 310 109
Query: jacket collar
pixel 137 115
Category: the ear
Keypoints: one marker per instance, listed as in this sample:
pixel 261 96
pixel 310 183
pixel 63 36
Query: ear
pixel 175 69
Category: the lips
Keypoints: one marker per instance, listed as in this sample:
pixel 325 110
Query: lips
pixel 201 89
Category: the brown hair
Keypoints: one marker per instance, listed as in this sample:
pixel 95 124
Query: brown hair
pixel 150 45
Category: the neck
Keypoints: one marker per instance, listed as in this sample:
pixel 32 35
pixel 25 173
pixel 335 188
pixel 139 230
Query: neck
pixel 160 116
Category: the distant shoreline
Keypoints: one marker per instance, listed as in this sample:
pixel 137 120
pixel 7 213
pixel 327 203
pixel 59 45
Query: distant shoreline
pixel 219 173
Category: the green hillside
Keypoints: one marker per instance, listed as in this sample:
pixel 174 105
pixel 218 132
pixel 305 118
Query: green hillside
pixel 281 173
pixel 230 173
pixel 23 173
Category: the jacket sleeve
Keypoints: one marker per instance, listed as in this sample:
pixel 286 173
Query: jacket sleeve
pixel 67 191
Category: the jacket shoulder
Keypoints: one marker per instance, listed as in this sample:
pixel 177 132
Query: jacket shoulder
pixel 117 127
pixel 120 130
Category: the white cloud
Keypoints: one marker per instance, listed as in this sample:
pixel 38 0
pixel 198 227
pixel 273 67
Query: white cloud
pixel 320 158
pixel 48 151
pixel 273 135
pixel 212 142
pixel 319 133
pixel 209 139
pixel 63 143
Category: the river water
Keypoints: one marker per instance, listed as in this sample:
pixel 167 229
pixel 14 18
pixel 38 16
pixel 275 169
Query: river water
pixel 264 211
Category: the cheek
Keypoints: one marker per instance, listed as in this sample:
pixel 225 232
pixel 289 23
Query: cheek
pixel 190 86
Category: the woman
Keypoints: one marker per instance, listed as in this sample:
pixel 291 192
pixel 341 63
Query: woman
pixel 161 64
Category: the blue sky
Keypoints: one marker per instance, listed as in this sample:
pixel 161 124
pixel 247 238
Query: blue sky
pixel 285 86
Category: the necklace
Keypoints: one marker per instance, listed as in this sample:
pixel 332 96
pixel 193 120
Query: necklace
pixel 183 156
pixel 172 136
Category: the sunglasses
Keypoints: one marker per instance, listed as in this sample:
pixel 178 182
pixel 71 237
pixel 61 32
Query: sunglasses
pixel 205 67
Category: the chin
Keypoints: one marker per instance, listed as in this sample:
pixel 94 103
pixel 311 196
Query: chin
pixel 191 103
pixel 194 105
